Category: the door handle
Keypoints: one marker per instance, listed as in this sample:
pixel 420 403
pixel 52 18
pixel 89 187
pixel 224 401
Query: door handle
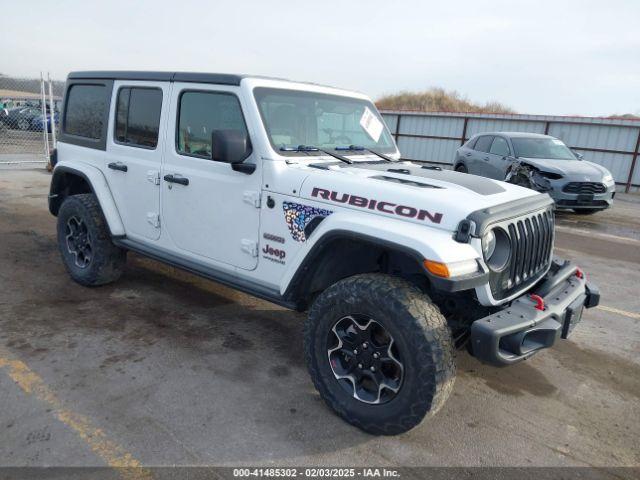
pixel 486 158
pixel 468 154
pixel 121 167
pixel 176 179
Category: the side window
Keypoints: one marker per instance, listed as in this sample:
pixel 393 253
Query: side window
pixel 200 113
pixel 138 116
pixel 85 109
pixel 484 143
pixel 499 147
pixel 471 143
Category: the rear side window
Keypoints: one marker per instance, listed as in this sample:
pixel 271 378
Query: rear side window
pixel 200 114
pixel 484 143
pixel 138 116
pixel 499 147
pixel 85 111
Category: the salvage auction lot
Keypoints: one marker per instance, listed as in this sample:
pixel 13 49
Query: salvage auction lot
pixel 164 368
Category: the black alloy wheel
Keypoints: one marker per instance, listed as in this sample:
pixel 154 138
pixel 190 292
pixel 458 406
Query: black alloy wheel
pixel 364 359
pixel 79 242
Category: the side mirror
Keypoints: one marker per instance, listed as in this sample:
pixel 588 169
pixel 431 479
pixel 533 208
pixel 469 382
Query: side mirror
pixel 579 156
pixel 232 146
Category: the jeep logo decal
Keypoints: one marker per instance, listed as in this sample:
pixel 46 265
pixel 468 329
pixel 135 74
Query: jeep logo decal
pixel 371 204
pixel 274 254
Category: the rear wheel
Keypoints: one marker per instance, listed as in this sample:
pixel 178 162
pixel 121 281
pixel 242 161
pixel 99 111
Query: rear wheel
pixel 85 243
pixel 462 168
pixel 379 353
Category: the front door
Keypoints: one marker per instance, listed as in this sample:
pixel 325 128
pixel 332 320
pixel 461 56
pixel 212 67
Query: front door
pixel 134 154
pixel 498 159
pixel 208 209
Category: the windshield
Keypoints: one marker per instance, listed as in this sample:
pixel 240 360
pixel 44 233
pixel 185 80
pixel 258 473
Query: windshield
pixel 542 148
pixel 293 118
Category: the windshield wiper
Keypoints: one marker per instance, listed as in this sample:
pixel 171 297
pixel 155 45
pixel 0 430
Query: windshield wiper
pixel 358 148
pixel 311 148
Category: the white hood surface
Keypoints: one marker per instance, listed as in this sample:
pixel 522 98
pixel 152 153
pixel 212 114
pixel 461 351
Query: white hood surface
pixel 407 191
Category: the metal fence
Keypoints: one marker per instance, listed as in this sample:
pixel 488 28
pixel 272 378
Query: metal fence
pixel 433 137
pixel 29 116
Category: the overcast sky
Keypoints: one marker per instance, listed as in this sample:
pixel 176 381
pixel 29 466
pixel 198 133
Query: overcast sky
pixel 556 57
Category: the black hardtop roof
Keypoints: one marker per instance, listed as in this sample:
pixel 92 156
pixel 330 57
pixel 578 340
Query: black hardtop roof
pixel 193 77
pixel 198 77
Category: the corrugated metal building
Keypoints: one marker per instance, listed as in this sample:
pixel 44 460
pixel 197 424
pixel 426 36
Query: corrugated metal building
pixel 434 137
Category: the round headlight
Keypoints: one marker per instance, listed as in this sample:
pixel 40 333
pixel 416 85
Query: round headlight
pixel 496 249
pixel 488 244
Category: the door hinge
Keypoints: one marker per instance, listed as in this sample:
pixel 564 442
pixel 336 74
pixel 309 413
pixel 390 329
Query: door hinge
pixel 250 247
pixel 154 219
pixel 153 176
pixel 252 198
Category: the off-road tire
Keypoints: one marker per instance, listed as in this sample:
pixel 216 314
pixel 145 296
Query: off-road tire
pixel 462 168
pixel 108 260
pixel 420 332
pixel 586 211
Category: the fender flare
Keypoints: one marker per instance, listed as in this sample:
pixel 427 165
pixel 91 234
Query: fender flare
pixel 99 187
pixel 318 250
pixel 293 281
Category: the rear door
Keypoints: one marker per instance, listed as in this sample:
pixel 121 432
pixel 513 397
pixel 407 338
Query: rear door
pixel 464 153
pixel 134 156
pixel 480 156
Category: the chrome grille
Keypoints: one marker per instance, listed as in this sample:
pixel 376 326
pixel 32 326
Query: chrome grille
pixel 584 188
pixel 531 240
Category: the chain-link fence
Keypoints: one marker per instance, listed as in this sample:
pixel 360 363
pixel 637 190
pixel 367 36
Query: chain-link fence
pixel 29 118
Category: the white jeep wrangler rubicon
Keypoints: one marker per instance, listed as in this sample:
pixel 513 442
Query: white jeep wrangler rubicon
pixel 296 193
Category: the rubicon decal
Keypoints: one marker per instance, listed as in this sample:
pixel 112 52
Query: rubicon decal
pixel 381 206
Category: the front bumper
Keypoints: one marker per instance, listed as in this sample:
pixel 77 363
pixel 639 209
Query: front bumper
pixel 598 201
pixel 520 330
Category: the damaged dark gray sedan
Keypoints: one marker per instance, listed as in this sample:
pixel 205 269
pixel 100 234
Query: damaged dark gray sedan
pixel 540 162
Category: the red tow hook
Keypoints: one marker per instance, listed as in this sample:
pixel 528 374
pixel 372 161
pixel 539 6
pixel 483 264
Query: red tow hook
pixel 579 273
pixel 539 301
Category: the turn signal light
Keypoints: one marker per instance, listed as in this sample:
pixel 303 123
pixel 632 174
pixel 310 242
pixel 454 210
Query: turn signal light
pixel 437 268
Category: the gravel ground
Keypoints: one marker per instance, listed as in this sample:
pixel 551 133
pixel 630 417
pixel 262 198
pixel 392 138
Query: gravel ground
pixel 164 368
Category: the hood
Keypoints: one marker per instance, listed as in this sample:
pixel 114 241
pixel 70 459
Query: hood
pixel 579 170
pixel 407 191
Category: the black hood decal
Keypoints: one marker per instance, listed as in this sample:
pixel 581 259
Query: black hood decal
pixel 480 185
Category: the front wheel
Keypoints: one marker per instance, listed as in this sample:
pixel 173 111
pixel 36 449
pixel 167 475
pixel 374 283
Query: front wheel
pixel 462 168
pixel 379 352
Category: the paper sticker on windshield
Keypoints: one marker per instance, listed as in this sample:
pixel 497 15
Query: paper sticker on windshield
pixel 371 124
